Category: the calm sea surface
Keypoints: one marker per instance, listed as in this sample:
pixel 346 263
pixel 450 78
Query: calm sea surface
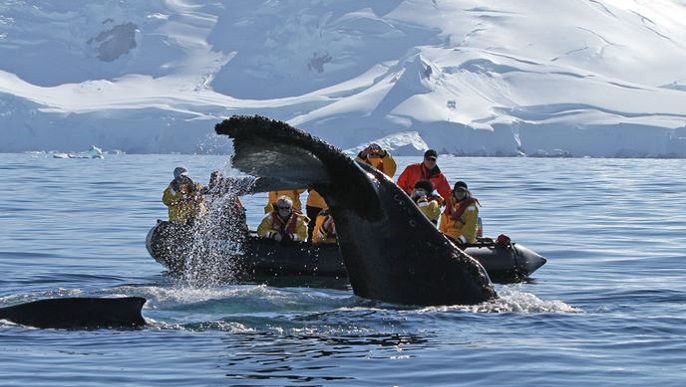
pixel 609 307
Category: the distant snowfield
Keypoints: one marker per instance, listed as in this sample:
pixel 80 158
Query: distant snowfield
pixel 601 78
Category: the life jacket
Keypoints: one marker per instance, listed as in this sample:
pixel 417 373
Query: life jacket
pixel 324 229
pixel 285 228
pixel 461 208
pixel 379 166
pixel 432 213
pixel 328 226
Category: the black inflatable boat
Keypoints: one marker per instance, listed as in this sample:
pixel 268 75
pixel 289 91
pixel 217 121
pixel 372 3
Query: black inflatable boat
pixel 263 259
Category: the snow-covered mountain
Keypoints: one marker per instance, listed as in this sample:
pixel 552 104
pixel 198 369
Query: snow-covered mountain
pixel 487 77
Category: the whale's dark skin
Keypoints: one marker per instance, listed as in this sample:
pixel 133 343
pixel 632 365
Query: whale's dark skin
pixel 391 251
pixel 78 313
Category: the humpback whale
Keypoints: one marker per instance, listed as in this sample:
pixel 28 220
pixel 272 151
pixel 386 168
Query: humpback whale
pixel 78 313
pixel 391 251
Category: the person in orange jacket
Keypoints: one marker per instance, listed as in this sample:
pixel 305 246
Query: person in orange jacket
pixel 460 219
pixel 378 158
pixel 324 229
pixel 313 206
pixel 426 170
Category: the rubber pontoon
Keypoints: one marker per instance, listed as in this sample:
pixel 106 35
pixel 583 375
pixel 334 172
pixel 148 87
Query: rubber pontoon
pixel 263 259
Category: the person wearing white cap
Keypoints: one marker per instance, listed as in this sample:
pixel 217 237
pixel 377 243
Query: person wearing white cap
pixel 180 171
pixel 293 194
pixel 183 198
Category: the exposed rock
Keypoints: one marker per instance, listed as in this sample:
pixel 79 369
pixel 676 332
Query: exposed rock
pixel 115 42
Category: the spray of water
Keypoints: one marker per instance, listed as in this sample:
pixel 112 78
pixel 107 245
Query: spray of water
pixel 216 240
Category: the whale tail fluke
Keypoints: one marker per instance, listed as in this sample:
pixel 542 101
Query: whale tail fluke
pixel 288 158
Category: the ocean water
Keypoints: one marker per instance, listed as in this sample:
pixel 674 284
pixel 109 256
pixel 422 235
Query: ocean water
pixel 607 309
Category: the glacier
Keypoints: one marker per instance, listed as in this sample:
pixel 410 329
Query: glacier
pixel 598 78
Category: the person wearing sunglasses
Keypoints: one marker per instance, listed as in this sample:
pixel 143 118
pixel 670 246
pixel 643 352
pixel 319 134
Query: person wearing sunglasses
pixel 426 170
pixel 284 224
pixel 293 194
pixel 460 219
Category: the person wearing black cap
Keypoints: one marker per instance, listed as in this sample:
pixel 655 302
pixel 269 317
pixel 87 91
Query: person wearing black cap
pixel 460 220
pixel 378 158
pixel 426 170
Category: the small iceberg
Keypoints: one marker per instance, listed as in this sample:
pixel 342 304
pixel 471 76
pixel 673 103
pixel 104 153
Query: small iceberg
pixel 93 153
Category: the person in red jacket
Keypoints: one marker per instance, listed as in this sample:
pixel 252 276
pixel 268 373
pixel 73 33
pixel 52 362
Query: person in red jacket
pixel 426 170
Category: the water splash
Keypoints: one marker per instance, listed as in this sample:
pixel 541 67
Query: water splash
pixel 515 301
pixel 511 300
pixel 214 256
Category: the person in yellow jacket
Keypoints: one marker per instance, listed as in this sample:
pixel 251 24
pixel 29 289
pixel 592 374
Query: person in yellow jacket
pixel 183 198
pixel 378 158
pixel 324 229
pixel 460 219
pixel 284 224
pixel 293 194
pixel 428 200
pixel 313 206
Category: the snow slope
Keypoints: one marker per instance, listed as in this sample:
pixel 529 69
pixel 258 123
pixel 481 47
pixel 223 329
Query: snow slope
pixel 489 77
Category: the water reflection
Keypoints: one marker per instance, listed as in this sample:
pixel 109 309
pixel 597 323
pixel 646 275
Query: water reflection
pixel 291 357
